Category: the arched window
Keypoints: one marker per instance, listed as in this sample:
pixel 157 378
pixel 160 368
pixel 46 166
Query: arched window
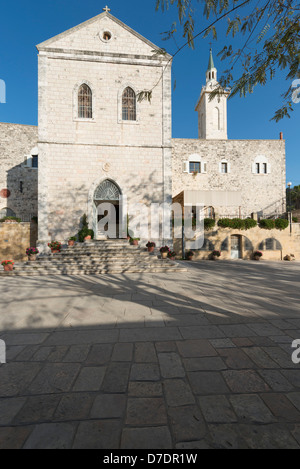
pixel 128 105
pixel 85 109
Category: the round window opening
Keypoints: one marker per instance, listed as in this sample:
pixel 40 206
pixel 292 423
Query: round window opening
pixel 106 36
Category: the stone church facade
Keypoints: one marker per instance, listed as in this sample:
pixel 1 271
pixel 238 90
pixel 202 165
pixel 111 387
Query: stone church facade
pixel 96 141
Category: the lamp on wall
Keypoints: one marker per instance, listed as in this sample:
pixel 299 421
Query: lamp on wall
pixel 290 205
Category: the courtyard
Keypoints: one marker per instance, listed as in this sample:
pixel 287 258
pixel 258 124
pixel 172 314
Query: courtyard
pixel 190 360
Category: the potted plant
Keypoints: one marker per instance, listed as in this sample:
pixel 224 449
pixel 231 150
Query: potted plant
pixel 150 245
pixel 8 265
pixel 164 250
pixel 171 255
pixel 55 246
pixel 85 234
pixel 190 255
pixel 257 255
pixel 32 253
pixel 215 255
pixel 71 241
pixel 134 241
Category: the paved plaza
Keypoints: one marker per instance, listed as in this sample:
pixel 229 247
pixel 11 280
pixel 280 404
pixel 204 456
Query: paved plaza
pixel 196 359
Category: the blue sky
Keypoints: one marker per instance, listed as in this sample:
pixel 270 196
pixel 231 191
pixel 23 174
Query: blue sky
pixel 25 24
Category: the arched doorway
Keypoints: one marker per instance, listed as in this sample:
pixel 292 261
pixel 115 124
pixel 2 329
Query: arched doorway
pixel 108 192
pixel 236 247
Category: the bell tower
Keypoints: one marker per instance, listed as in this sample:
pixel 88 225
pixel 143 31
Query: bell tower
pixel 212 114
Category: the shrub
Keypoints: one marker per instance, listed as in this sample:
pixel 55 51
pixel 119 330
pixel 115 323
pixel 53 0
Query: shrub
pixel 55 245
pixel 85 231
pixel 250 223
pixel 18 220
pixel 209 223
pixel 171 254
pixel 281 223
pixel 237 223
pixel 266 224
pixel 73 238
pixel 295 219
pixel 216 253
pixel 257 254
pixel 189 254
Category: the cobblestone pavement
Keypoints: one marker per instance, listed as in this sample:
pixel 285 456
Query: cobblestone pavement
pixel 200 359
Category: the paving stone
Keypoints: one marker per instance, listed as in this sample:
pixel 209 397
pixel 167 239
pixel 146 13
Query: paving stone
pixel 98 434
pixel 242 341
pixel 226 436
pixel 116 378
pixel 109 406
pixel 14 437
pixel 145 352
pixel 99 354
pixel 266 329
pixel 165 346
pixel 207 382
pixel 51 436
pixel 90 378
pixel 27 353
pixel 171 365
pixel 283 359
pixel 295 431
pixel 76 337
pixel 237 331
pixel 216 409
pixel 187 423
pixel 58 354
pixel 275 380
pixel 282 339
pixel 293 376
pixel 38 409
pixel 222 343
pixel 281 407
pixel 178 393
pixel 13 351
pixel 235 358
pixel 294 398
pixel 150 334
pixel 146 411
pixel 268 436
pixel 29 338
pixel 144 372
pixel 260 358
pixel 53 378
pixel 146 438
pixel 122 353
pixel 244 381
pixel 144 389
pixel 262 341
pixel 201 332
pixel 9 407
pixel 251 408
pixel 77 354
pixel 196 348
pixel 16 376
pixel 187 320
pixel 204 364
pixel 75 406
pixel 202 444
pixel 42 354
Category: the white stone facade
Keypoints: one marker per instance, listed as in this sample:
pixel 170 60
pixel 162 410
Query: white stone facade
pixel 75 154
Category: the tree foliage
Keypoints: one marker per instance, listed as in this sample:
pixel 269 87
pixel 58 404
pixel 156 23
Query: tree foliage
pixel 269 32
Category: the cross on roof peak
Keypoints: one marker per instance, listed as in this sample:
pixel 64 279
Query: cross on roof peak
pixel 106 9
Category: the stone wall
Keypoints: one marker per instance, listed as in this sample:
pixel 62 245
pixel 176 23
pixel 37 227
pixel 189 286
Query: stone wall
pixel 15 238
pixel 259 192
pixel 251 240
pixel 16 142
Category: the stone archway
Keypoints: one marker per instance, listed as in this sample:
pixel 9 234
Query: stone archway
pixel 107 192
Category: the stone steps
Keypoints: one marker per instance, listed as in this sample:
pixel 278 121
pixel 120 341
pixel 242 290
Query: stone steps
pixel 99 257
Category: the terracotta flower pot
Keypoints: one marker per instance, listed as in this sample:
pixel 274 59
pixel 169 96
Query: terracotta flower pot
pixel 8 267
pixel 257 258
pixel 32 257
pixel 190 258
pixel 71 242
pixel 88 238
pixel 172 258
pixel 151 249
pixel 54 251
pixel 134 242
pixel 215 258
pixel 164 255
